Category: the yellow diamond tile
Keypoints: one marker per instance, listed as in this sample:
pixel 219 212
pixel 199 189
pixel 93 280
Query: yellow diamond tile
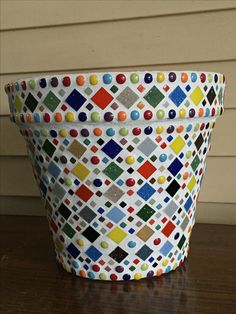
pixel 192 183
pixel 117 235
pixel 197 95
pixel 59 245
pixel 18 104
pixel 80 171
pixel 177 145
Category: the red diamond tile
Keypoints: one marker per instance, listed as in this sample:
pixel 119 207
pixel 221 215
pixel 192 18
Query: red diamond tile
pixel 84 193
pixel 102 98
pixel 147 169
pixel 168 229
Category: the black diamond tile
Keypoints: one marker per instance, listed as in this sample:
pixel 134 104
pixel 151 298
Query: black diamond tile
pixel 211 95
pixel 199 141
pixel 173 188
pixel 118 254
pixel 90 234
pixel 64 211
pixel 31 102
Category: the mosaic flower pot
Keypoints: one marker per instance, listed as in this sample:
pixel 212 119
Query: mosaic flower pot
pixel 119 159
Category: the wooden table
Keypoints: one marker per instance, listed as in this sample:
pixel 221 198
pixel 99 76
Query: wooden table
pixel 33 282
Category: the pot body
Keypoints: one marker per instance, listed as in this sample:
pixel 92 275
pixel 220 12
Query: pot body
pixel 119 160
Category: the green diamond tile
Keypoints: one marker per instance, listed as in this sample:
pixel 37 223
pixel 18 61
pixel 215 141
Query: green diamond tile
pixel 154 96
pixel 145 212
pixel 113 171
pixel 51 101
pixel 195 163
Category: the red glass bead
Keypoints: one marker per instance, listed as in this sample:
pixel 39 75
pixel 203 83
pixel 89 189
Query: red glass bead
pixel 23 85
pixel 203 77
pixel 73 133
pixel 130 182
pixel 96 268
pixel 148 115
pixel 66 81
pixel 46 117
pixel 113 277
pixel 136 131
pixel 120 78
pixel 95 160
pixel 157 241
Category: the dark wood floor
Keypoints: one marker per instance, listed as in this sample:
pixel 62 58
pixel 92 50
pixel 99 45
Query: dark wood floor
pixel 33 282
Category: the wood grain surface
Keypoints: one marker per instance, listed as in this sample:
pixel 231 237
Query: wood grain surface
pixel 33 282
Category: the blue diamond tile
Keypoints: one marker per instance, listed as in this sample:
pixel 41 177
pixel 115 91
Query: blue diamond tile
pixel 166 248
pixel 188 204
pixel 93 253
pixel 72 249
pixel 53 169
pixel 115 214
pixel 75 100
pixel 144 252
pixel 112 149
pixel 146 191
pixel 177 96
pixel 175 167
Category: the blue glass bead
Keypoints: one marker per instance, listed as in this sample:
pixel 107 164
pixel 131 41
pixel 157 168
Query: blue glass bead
pixel 53 133
pixel 193 77
pixel 82 116
pixel 42 83
pixel 110 132
pixel 148 130
pixel 134 115
pixel 148 78
pixel 36 117
pixel 163 157
pixel 107 78
pixel 172 114
pixel 97 182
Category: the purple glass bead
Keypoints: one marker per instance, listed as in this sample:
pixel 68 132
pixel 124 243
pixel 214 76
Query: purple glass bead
pixel 108 116
pixel 119 269
pixel 172 76
pixel 54 81
pixel 191 113
pixel 84 132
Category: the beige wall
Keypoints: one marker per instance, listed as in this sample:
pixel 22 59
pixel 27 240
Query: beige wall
pixel 58 36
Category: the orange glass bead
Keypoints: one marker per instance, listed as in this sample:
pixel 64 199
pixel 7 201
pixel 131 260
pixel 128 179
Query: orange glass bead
pixel 29 117
pixel 97 131
pixel 185 176
pixel 184 77
pixel 80 80
pixel 82 273
pixel 200 112
pixel 180 129
pixel 122 116
pixel 58 117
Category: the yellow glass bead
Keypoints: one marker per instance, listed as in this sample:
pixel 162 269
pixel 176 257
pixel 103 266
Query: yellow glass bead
pixel 63 133
pixel 93 79
pixel 165 262
pixel 130 160
pixel 182 113
pixel 137 276
pixel 159 129
pixel 80 242
pixel 161 179
pixel 160 77
pixel 70 116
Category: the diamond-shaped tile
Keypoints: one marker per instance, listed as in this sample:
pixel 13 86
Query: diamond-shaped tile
pixel 191 183
pixel 145 233
pixel 173 188
pixel 80 171
pixel 115 214
pixel 154 96
pixel 197 95
pixel 211 95
pixel 175 167
pixel 147 146
pixel 31 102
pixel 84 193
pixel 118 254
pixel 146 191
pixel 77 149
pixel 51 101
pixel 87 214
pixel 112 149
pixel 93 253
pixel 166 248
pixel 168 229
pixel 199 141
pixel 145 212
pixel 113 171
pixel 75 100
pixel 117 235
pixel 90 234
pixel 147 169
pixel 170 209
pixel 127 97
pixel 195 163
pixel 114 193
pixel 177 96
pixel 177 145
pixel 64 211
pixel 72 249
pixel 144 252
pixel 102 98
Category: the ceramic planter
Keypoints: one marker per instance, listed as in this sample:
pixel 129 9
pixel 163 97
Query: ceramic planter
pixel 119 159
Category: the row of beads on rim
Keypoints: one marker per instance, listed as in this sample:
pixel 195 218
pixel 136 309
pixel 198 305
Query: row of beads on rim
pixel 121 116
pixel 121 78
